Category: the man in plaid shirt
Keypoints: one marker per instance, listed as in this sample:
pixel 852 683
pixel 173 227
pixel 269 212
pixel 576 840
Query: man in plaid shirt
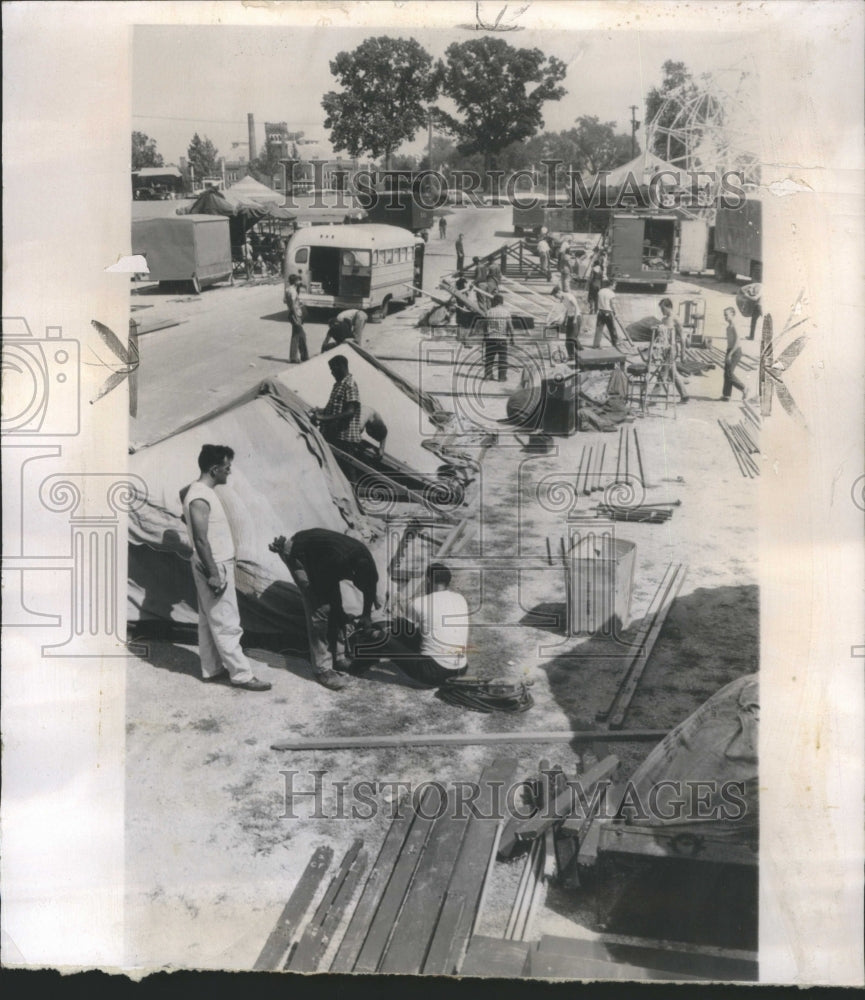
pixel 340 419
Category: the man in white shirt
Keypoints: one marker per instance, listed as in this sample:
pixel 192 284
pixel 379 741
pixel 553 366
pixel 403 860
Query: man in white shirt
pixel 566 314
pixel 219 628
pixel 429 644
pixel 356 318
pixel 606 315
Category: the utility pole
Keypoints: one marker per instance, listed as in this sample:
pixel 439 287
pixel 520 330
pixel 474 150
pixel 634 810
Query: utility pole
pixel 429 139
pixel 634 126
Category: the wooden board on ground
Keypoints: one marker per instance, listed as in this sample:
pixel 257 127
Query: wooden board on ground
pixel 388 911
pixel 373 891
pixel 277 944
pixel 488 956
pixel 556 965
pixel 704 963
pixel 326 919
pixel 567 803
pixel 469 739
pixel 411 935
pixel 471 865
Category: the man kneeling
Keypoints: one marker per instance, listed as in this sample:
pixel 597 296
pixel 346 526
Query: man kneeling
pixel 430 644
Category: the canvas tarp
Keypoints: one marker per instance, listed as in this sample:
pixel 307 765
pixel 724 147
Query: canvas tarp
pixel 241 215
pixel 284 479
pixel 716 745
pixel 414 419
pixel 249 189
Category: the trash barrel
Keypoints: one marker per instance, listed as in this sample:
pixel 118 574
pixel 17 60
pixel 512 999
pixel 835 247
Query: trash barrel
pixel 600 578
pixel 559 404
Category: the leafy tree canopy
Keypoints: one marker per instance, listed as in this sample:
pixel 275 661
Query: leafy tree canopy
pixel 144 152
pixel 388 84
pixel 491 82
pixel 203 156
pixel 677 79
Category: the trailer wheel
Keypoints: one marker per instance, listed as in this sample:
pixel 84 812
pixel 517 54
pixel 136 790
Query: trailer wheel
pixel 721 266
pixel 756 271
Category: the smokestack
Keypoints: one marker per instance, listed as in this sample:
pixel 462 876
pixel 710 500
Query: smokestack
pixel 250 121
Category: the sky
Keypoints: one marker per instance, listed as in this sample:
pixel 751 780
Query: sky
pixel 207 78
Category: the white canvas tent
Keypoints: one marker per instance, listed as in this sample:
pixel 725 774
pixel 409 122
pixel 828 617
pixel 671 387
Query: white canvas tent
pixel 284 480
pixel 249 189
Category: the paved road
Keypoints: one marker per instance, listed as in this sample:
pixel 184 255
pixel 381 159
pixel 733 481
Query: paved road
pixel 231 338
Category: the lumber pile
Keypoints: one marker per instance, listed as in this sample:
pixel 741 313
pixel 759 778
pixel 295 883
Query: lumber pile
pixel 419 904
pixel 743 446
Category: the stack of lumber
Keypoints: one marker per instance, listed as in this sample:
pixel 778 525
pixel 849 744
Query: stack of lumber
pixel 417 909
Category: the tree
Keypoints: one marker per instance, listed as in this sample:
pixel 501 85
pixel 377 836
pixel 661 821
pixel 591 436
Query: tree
pixel 388 85
pixel 203 156
pixel 267 163
pixel 144 152
pixel 490 83
pixel 677 79
pixel 598 146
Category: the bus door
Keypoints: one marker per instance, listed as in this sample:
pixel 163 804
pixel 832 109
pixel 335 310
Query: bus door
pixel 355 274
pixel 324 270
pixel 417 280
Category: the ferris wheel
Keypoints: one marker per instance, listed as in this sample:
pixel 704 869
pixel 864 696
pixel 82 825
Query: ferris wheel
pixel 710 124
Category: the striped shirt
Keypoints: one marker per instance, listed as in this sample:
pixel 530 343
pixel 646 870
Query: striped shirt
pixel 497 323
pixel 343 393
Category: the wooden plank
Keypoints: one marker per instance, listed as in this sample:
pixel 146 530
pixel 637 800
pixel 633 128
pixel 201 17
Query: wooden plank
pixel 411 936
pixel 488 956
pixel 617 719
pixel 445 952
pixel 566 803
pixel 552 965
pixel 280 938
pixel 538 884
pixel 522 889
pixel 317 936
pixel 667 957
pixel 470 868
pixel 373 891
pixel 470 739
pixel 590 834
pixel 639 641
pixel 392 899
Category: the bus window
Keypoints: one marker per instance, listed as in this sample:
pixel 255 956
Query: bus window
pixel 388 256
pixel 375 257
pixel 302 255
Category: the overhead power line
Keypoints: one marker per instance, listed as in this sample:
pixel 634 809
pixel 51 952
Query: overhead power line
pixel 211 121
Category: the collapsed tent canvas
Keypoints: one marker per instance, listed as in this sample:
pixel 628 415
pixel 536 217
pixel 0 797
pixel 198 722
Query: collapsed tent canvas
pixel 417 425
pixel 284 480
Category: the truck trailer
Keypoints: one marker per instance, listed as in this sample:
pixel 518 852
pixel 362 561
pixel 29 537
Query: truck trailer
pixel 737 242
pixel 650 248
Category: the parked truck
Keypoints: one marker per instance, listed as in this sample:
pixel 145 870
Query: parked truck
pixel 193 248
pixel 402 209
pixel 650 248
pixel 737 241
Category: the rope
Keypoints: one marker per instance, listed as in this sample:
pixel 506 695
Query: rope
pixel 486 696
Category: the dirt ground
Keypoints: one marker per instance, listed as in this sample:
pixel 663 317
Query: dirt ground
pixel 215 845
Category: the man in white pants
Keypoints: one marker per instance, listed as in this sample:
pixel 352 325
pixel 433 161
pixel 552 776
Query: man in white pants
pixel 219 628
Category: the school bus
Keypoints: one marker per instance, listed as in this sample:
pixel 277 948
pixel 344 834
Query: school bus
pixel 355 267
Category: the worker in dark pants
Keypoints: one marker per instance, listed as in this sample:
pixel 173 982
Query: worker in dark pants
pixel 318 560
pixel 606 315
pixel 498 330
pixel 461 252
pixel 732 359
